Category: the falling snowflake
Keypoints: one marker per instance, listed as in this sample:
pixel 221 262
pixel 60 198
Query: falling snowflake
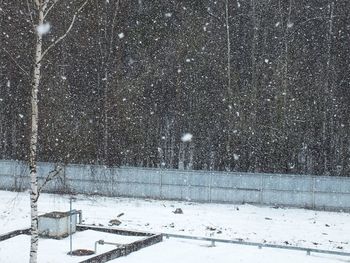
pixel 121 35
pixel 290 24
pixel 187 137
pixel 43 29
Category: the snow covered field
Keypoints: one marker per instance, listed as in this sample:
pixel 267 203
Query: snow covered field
pixel 297 227
pixel 55 251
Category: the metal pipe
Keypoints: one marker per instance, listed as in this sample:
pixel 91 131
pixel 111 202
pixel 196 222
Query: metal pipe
pixel 70 227
pixel 259 245
pixel 102 242
pixel 71 212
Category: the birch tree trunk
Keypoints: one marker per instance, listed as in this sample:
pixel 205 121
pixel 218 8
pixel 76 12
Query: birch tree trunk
pixel 229 91
pixel 328 99
pixel 42 11
pixel 34 194
pixel 254 92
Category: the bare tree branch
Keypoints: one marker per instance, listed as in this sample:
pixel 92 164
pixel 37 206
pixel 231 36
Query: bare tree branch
pixel 30 14
pixel 45 4
pixel 49 9
pixel 215 16
pixel 52 174
pixel 299 25
pixel 67 31
pixel 112 31
pixel 38 4
pixel 16 63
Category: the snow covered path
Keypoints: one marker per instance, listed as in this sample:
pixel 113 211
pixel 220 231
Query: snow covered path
pixel 297 227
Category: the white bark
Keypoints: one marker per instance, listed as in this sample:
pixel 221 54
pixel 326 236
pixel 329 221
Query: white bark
pixel 34 194
pixel 228 48
pixel 229 90
pixel 181 156
pixel 105 122
pixel 253 59
pixel 191 156
pixel 106 58
pixel 254 91
pixel 285 80
pixel 328 97
pixel 41 6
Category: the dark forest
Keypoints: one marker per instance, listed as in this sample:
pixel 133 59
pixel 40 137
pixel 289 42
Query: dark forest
pixel 263 86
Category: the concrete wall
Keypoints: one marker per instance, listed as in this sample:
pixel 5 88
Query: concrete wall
pixel 317 192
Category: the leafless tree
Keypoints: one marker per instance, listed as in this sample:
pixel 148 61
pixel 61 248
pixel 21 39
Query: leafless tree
pixel 42 9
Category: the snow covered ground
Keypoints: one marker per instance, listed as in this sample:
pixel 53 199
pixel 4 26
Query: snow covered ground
pixel 55 251
pixel 297 227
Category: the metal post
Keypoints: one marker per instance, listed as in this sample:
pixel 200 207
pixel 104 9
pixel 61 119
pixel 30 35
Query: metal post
pixel 70 226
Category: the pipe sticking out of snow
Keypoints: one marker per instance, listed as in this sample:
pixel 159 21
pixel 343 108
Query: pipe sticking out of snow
pixel 102 242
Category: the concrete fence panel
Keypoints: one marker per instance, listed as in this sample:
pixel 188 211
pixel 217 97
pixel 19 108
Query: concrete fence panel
pixel 319 192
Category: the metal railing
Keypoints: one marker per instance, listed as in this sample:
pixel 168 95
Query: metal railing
pixel 258 245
